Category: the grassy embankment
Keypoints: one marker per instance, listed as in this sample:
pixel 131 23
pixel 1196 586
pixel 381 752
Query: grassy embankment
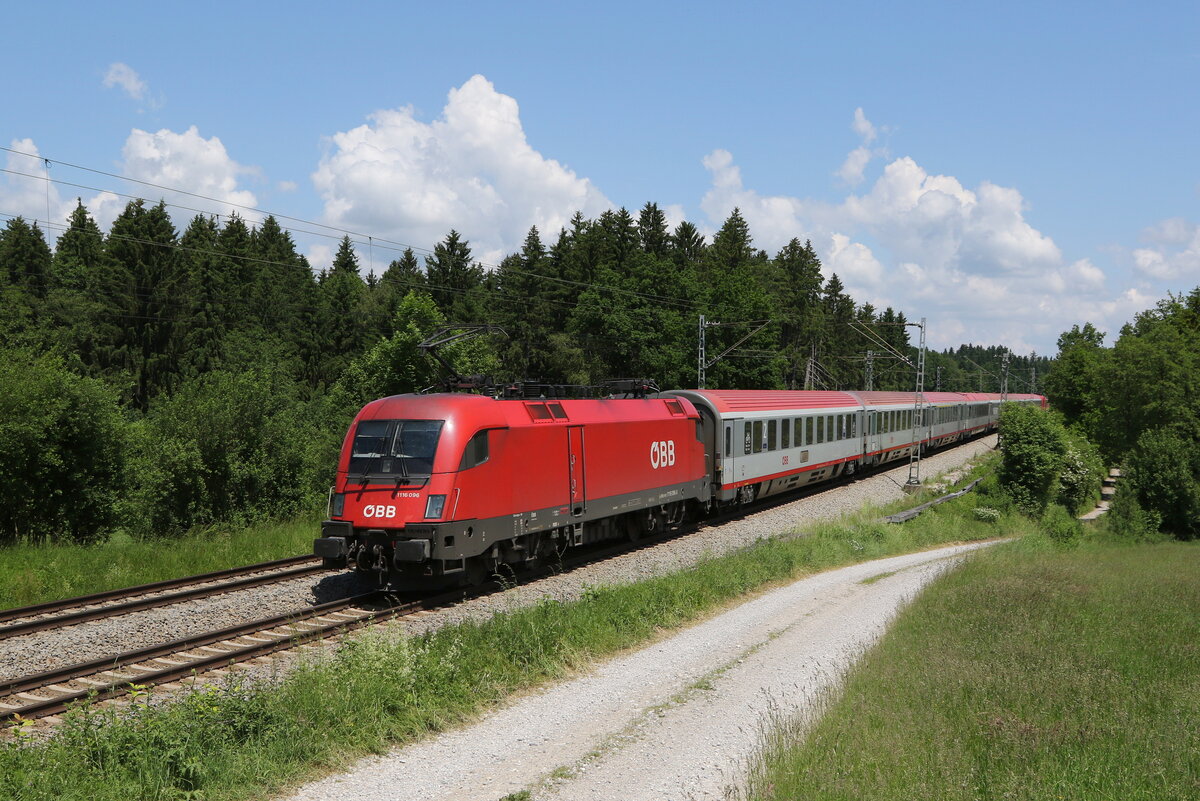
pixel 31 574
pixel 383 690
pixel 1030 673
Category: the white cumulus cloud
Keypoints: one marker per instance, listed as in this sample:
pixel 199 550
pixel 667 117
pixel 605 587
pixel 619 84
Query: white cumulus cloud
pixel 965 257
pixel 123 76
pixel 853 169
pixel 189 162
pixel 1174 250
pixel 471 169
pixel 863 127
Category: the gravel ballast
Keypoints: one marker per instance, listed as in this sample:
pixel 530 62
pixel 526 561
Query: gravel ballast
pixel 676 720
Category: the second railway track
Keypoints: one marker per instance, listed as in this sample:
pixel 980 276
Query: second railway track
pixel 43 617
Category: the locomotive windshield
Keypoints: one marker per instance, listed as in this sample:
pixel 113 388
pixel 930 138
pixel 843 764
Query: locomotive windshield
pixel 395 448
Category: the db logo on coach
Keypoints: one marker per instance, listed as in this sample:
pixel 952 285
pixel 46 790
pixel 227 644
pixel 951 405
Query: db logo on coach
pixel 662 454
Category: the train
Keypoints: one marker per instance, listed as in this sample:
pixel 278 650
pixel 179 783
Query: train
pixel 447 489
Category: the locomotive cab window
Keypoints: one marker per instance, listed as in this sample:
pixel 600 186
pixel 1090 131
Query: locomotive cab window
pixel 391 448
pixel 476 452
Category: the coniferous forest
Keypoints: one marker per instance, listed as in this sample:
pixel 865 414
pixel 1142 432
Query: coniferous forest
pixel 155 380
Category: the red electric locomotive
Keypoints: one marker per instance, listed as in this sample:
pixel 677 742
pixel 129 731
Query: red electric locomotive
pixel 435 489
pixel 438 489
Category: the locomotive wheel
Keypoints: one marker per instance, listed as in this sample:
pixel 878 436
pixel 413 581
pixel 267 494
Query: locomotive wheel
pixel 481 568
pixel 634 530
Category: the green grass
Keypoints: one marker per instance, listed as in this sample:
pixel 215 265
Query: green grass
pixel 1033 673
pixel 31 574
pixel 382 690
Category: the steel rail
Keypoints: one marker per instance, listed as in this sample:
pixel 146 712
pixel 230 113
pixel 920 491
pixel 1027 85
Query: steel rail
pixel 140 604
pixel 141 589
pixel 193 665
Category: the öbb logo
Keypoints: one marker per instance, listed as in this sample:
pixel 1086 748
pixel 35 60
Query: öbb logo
pixel 662 454
pixel 379 511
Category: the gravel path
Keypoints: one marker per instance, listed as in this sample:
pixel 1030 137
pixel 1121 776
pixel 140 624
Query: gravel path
pixel 676 720
pixel 47 650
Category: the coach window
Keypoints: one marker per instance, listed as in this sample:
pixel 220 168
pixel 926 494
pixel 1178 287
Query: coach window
pixel 728 441
pixel 757 439
pixel 785 434
pixel 772 430
pixel 746 435
pixel 820 430
pixel 854 425
pixel 809 436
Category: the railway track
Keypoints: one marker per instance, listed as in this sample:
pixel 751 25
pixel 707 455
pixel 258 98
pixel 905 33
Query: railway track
pixel 44 695
pixel 42 617
pixel 51 692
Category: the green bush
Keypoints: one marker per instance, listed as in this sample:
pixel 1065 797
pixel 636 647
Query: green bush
pixel 226 447
pixel 1127 520
pixel 1081 475
pixel 1060 525
pixel 61 451
pixel 986 514
pixel 1162 469
pixel 1033 447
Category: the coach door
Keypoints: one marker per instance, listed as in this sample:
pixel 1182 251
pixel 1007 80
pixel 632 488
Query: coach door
pixel 575 470
pixel 871 432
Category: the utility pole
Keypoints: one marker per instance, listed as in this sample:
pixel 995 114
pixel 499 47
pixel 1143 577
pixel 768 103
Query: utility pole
pixel 1004 376
pixel 870 370
pixel 914 456
pixel 703 363
pixel 1033 380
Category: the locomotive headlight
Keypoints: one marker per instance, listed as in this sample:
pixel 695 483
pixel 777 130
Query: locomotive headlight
pixel 338 505
pixel 434 506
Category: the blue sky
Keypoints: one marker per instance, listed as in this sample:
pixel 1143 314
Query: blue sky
pixel 1005 171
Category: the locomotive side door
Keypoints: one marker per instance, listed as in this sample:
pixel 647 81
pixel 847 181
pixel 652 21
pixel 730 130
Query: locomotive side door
pixel 575 471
